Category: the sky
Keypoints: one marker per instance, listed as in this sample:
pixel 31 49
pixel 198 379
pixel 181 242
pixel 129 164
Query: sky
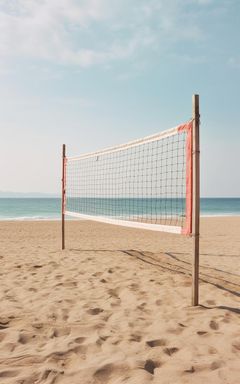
pixel 96 73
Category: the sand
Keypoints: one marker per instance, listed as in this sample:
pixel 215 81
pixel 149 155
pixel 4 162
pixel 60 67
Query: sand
pixel 115 306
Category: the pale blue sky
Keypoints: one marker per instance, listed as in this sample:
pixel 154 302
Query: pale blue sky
pixel 96 73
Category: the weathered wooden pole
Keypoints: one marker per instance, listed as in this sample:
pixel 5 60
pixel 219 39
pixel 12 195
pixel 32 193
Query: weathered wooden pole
pixel 63 193
pixel 195 199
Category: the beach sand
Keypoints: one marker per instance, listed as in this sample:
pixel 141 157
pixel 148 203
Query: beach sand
pixel 115 306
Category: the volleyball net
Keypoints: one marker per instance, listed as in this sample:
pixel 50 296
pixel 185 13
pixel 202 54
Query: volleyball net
pixel 146 183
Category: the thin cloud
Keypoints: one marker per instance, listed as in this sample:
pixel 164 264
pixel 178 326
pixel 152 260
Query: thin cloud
pixel 91 32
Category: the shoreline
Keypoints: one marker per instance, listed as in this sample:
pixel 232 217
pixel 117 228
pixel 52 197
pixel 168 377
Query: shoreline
pixel 26 219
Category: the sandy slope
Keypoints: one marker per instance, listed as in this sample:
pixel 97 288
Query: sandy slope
pixel 115 306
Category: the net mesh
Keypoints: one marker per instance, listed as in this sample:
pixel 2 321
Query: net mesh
pixel 144 182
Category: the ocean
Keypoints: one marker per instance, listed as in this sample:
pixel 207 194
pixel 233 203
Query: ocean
pixel 50 208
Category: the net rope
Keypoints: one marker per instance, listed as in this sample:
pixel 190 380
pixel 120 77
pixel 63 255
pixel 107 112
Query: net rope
pixel 144 181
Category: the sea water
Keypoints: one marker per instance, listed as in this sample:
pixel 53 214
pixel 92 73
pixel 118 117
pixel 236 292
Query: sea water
pixel 50 208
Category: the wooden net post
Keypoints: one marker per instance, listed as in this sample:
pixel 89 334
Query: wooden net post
pixel 63 193
pixel 195 199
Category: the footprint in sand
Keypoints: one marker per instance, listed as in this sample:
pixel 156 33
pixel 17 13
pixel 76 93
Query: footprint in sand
pixel 170 351
pixel 64 355
pixel 80 340
pixel 24 338
pixel 58 277
pixel 156 343
pixel 33 378
pixel 37 325
pixel 135 337
pixel 216 365
pixel 69 301
pixel 142 308
pixel 104 373
pixel 96 274
pixel 114 292
pixel 213 325
pixel 115 341
pixel 51 374
pixel 101 340
pixel 190 370
pixel 54 264
pixel 151 365
pixel 58 332
pixel 32 289
pixel 95 311
pixel 134 286
pixel 182 325
pixel 107 371
pixel 52 316
pixel 4 324
pixel 201 333
pixel 6 374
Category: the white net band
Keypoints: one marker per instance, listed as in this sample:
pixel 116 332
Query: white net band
pixel 124 223
pixel 131 144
